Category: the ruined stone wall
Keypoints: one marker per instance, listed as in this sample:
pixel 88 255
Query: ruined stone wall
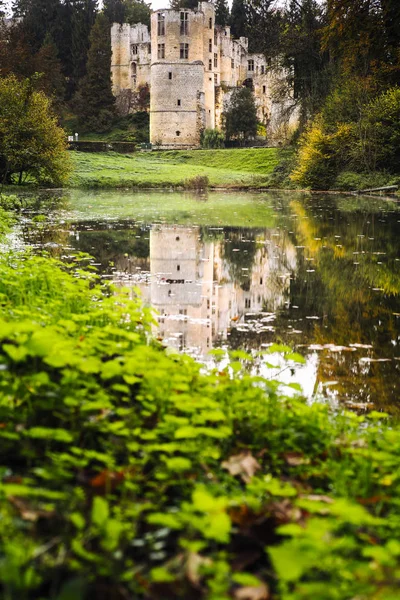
pixel 175 103
pixel 182 99
pixel 130 64
pixel 192 67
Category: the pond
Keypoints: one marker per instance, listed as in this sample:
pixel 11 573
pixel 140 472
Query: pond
pixel 241 271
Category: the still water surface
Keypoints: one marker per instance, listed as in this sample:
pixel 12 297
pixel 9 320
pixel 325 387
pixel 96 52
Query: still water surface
pixel 320 274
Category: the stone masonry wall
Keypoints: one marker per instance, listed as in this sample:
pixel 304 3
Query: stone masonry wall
pixel 192 69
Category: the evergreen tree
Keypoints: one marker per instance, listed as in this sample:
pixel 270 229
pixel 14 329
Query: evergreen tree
pixel 240 118
pixel 39 17
pixel 137 11
pixel 94 101
pixel 177 4
pixel 115 11
pixel 238 19
pixel 263 26
pixel 47 63
pixel 83 15
pixel 306 63
pixel 221 13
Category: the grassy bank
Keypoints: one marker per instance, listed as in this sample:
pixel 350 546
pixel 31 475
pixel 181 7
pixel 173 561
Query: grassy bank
pixel 126 473
pixel 240 168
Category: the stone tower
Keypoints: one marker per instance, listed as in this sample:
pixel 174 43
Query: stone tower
pixel 182 96
pixel 192 67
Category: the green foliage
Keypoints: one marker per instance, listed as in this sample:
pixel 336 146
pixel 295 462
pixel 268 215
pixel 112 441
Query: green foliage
pixel 238 20
pixel 321 155
pixel 379 144
pixel 31 142
pixel 354 133
pixel 240 118
pixel 123 467
pixel 212 138
pixel 94 101
pixel 221 13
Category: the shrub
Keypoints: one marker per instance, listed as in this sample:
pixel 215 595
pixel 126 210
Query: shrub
pixel 322 155
pixel 212 138
pixel 129 473
pixel 379 142
pixel 199 182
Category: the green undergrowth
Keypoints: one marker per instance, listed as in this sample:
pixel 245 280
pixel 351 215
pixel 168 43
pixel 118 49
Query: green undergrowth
pixel 128 473
pixel 240 168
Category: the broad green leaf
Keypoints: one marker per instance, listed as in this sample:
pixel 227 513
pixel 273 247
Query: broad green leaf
pixel 100 511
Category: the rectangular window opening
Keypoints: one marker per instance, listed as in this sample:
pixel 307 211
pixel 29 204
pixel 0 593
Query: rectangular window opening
pixel 170 75
pixel 184 50
pixel 210 23
pixel 215 60
pixel 250 65
pixel 210 65
pixel 161 51
pixel 184 23
pixel 179 103
pixel 210 45
pixel 161 24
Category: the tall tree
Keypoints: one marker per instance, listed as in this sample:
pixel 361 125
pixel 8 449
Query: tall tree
pixel 306 63
pixel 114 10
pixel 238 19
pixel 177 4
pixel 137 11
pixel 264 23
pixel 16 53
pixel 221 12
pixel 94 101
pixel 47 63
pixel 83 15
pixel 240 118
pixel 39 17
pixel 354 33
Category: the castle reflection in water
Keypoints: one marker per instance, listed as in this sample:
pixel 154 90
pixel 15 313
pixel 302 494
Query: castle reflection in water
pixel 200 289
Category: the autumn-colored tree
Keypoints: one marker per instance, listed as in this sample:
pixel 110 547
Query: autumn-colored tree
pixel 16 53
pixel 31 142
pixel 363 35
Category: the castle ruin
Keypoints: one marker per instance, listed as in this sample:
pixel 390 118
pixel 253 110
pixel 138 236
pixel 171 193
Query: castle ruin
pixel 191 67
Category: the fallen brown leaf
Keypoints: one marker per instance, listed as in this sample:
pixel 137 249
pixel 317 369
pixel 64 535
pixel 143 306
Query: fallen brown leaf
pixel 243 464
pixel 295 459
pixel 261 592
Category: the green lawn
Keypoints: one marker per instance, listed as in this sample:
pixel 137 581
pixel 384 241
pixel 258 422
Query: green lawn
pixel 242 168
